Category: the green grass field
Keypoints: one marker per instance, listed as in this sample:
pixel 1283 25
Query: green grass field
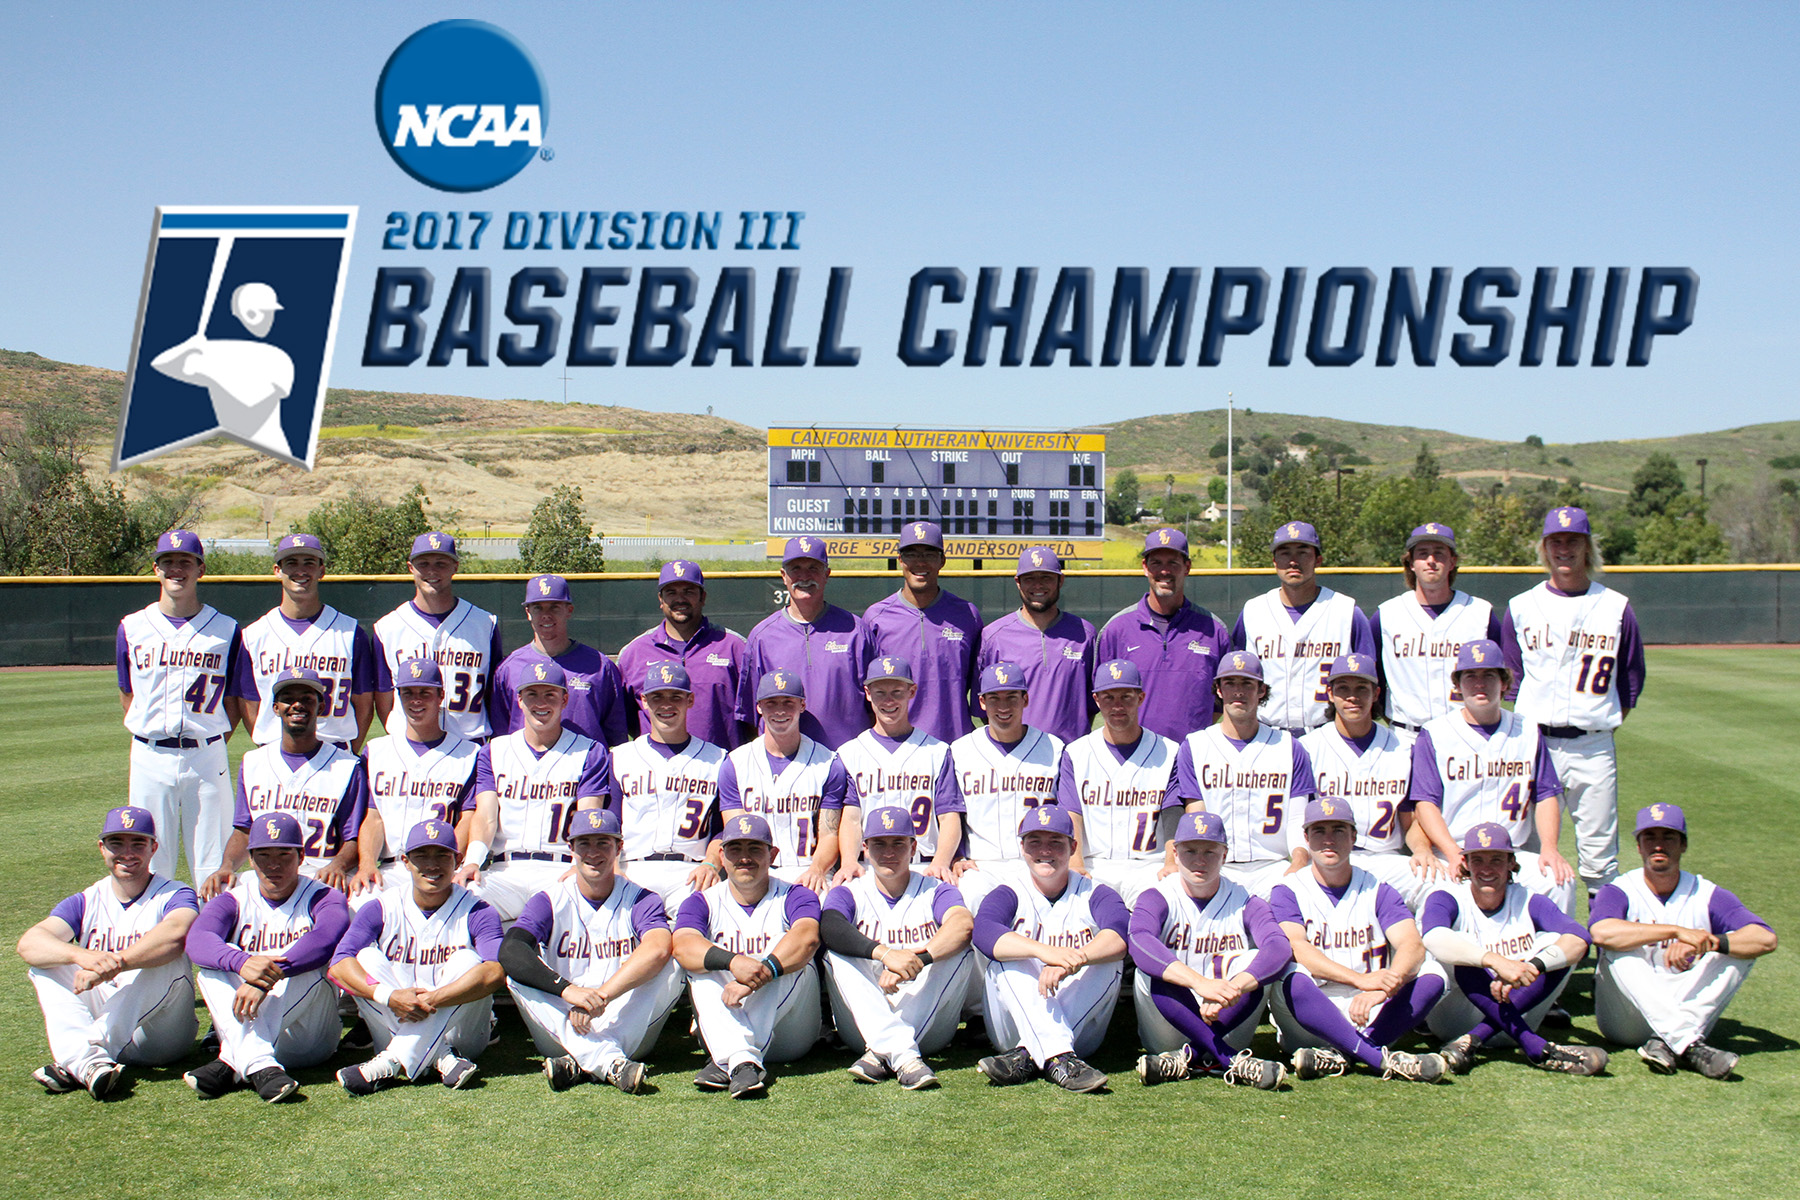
pixel 1717 734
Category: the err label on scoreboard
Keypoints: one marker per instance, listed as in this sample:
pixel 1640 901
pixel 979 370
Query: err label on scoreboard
pixel 993 491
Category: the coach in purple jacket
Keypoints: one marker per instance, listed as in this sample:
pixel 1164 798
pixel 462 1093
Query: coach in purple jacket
pixel 936 632
pixel 1175 645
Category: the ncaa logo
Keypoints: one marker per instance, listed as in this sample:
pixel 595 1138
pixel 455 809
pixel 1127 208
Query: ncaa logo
pixel 461 106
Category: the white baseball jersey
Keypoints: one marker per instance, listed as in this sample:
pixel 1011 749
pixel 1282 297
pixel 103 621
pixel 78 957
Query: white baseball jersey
pixel 178 675
pixel 416 943
pixel 1508 931
pixel 1120 801
pixel 754 932
pixel 1570 651
pixel 1486 779
pixel 590 941
pixel 790 801
pixel 1067 922
pixel 667 799
pixel 316 792
pixel 537 794
pixel 1205 937
pixel 1418 652
pixel 1348 931
pixel 407 787
pixel 461 645
pixel 999 788
pixel 907 922
pixel 110 925
pixel 1374 783
pixel 1297 654
pixel 1250 788
pixel 269 929
pixel 326 646
pixel 904 777
pixel 1687 906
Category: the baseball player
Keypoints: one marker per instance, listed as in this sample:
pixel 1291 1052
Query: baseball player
pixel 824 646
pixel 1003 771
pixel 1418 633
pixel 937 632
pixel 712 656
pixel 897 962
pixel 110 966
pixel 589 964
pixel 1253 776
pixel 325 786
pixel 1482 763
pixel 464 641
pixel 304 632
pixel 1509 953
pixel 1055 946
pixel 1174 644
pixel 791 781
pixel 896 765
pixel 528 785
pixel 1674 949
pixel 178 662
pixel 1577 662
pixel 669 791
pixel 1297 629
pixel 1369 768
pixel 1361 979
pixel 595 707
pixel 1120 782
pixel 262 948
pixel 747 944
pixel 1054 648
pixel 423 965
pixel 1205 949
pixel 246 378
pixel 423 772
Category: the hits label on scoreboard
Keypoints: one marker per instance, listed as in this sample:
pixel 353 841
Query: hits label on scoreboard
pixel 994 492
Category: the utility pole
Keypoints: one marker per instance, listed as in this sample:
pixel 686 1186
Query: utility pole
pixel 1229 474
pixel 1701 463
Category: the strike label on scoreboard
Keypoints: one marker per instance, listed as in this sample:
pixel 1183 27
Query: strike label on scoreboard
pixel 993 492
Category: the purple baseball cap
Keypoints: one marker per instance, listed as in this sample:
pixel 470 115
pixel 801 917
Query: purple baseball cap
pixel 780 683
pixel 1353 666
pixel 180 541
pixel 805 547
pixel 1323 809
pixel 680 570
pixel 435 542
pixel 1039 558
pixel 274 830
pixel 1480 654
pixel 667 675
pixel 542 589
pixel 1048 818
pixel 1116 675
pixel 1166 539
pixel 1432 531
pixel 888 666
pixel 418 672
pixel 1488 836
pixel 1200 827
pixel 1295 532
pixel 889 821
pixel 128 818
pixel 297 677
pixel 1660 816
pixel 431 833
pixel 298 543
pixel 590 821
pixel 1566 520
pixel 741 826
pixel 921 533
pixel 531 674
pixel 1001 677
pixel 1239 664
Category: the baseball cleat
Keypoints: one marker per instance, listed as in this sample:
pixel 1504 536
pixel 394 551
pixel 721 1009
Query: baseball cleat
pixel 870 1068
pixel 1161 1068
pixel 273 1084
pixel 1458 1054
pixel 748 1079
pixel 1071 1074
pixel 627 1076
pixel 365 1079
pixel 562 1071
pixel 56 1081
pixel 1316 1062
pixel 103 1079
pixel 1004 1070
pixel 712 1078
pixel 1419 1068
pixel 1658 1056
pixel 456 1072
pixel 1557 1017
pixel 1248 1071
pixel 210 1043
pixel 1573 1060
pixel 1709 1061
pixel 212 1080
pixel 915 1075
pixel 358 1039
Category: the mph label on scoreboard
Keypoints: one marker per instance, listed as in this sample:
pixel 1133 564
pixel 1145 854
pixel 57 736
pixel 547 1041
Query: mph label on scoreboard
pixel 994 492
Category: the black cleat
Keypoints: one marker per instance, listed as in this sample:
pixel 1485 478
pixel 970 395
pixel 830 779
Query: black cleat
pixel 1004 1070
pixel 1071 1074
pixel 212 1080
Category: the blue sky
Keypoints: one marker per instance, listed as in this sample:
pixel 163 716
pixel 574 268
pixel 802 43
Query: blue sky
pixel 916 135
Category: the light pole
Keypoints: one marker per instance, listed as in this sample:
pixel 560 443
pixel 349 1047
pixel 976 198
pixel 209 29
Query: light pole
pixel 1701 463
pixel 1341 472
pixel 1229 472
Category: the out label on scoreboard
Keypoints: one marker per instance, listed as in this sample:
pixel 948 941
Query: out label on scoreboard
pixel 994 492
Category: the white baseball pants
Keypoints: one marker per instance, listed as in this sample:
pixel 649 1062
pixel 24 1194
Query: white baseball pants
pixel 188 793
pixel 667 878
pixel 1589 769
pixel 143 1016
pixel 626 1030
pixel 918 1019
pixel 297 1024
pixel 1074 1018
pixel 1395 870
pixel 776 1023
pixel 507 886
pixel 1257 878
pixel 1633 1001
pixel 461 1029
pixel 1130 877
pixel 1455 1016
pixel 1159 1037
pixel 1292 1034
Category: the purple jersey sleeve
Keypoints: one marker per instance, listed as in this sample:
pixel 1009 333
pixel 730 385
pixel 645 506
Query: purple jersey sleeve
pixel 1109 910
pixel 1303 783
pixel 839 900
pixel 1362 633
pixel 1186 783
pixel 312 950
pixel 837 785
pixel 536 918
pixel 365 927
pixel 648 915
pixel 1511 651
pixel 485 932
pixel 1284 906
pixel 1551 919
pixel 71 911
pixel 243 684
pixel 1240 639
pixel 729 800
pixel 1426 786
pixel 1068 796
pixel 355 804
pixel 945 897
pixel 235 671
pixel 240 811
pixel 1172 790
pixel 183 897
pixel 484 770
pixel 122 655
pixel 1440 911
pixel 384 678
pixel 802 905
pixel 1145 934
pixel 1728 913
pixel 695 915
pixel 362 663
pixel 597 778
pixel 490 691
pixel 1631 653
pixel 1493 626
pixel 1273 950
pixel 1608 904
pixel 209 937
pixel 995 917
pixel 1548 784
pixel 947 792
pixel 1390 909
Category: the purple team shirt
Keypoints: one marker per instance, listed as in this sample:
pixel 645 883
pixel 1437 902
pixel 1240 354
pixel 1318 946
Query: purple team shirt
pixel 1390 909
pixel 384 678
pixel 831 655
pixel 1177 656
pixel 346 819
pixel 1300 776
pixel 1724 912
pixel 596 776
pixel 714 658
pixel 596 706
pixel 1001 908
pixel 943 898
pixel 942 643
pixel 536 918
pixel 837 782
pixel 802 904
pixel 1629 681
pixel 1427 785
pixel 1068 791
pixel 1273 950
pixel 946 791
pixel 365 931
pixel 73 909
pixel 1059 669
pixel 212 938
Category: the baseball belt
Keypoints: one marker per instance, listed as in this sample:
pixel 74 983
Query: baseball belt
pixel 1405 726
pixel 664 858
pixel 1564 731
pixel 533 856
pixel 177 743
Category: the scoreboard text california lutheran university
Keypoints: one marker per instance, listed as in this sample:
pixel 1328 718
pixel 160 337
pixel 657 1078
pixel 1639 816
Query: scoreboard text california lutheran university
pixel 994 492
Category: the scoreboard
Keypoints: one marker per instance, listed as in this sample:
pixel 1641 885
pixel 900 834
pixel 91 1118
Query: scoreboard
pixel 994 492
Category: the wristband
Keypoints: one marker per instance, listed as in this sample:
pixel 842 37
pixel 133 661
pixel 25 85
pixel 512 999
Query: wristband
pixel 1724 943
pixel 774 965
pixel 478 852
pixel 383 993
pixel 925 957
pixel 717 959
pixel 1537 962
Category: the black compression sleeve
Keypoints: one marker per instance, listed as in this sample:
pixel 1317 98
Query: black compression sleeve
pixel 839 934
pixel 522 959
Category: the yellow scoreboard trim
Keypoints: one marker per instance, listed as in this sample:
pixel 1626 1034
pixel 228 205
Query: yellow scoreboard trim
pixel 934 439
pixel 1068 549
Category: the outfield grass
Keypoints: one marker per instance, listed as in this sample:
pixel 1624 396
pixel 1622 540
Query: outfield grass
pixel 1717 733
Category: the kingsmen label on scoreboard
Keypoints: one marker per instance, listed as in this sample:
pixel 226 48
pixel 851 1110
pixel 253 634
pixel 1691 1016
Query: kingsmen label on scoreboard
pixel 993 492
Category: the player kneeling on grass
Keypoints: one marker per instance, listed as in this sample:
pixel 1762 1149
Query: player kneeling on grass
pixel 1204 949
pixel 1510 953
pixel 110 966
pixel 1360 980
pixel 1056 941
pixel 589 965
pixel 422 962
pixel 747 944
pixel 262 948
pixel 897 964
pixel 1675 948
